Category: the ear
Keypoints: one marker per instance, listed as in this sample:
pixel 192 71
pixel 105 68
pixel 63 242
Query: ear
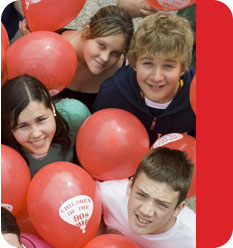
pixel 135 67
pixel 54 110
pixel 181 74
pixel 179 208
pixel 129 186
pixel 86 30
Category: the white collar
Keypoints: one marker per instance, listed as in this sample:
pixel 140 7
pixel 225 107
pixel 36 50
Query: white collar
pixel 156 105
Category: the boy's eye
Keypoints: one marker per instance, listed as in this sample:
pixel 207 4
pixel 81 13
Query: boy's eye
pixel 147 63
pixel 140 195
pixel 168 66
pixel 163 205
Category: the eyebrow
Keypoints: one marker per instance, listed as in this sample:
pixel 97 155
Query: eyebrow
pixel 99 39
pixel 144 58
pixel 166 60
pixel 25 122
pixel 170 60
pixel 156 200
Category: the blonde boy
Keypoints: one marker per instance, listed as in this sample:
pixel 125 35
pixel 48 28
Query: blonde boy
pixel 155 86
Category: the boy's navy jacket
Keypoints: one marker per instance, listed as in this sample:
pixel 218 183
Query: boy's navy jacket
pixel 122 91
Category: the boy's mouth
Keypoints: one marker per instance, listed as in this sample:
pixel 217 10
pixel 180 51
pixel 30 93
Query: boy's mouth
pixel 141 221
pixel 155 87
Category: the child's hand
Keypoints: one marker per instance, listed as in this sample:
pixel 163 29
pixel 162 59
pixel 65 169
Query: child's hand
pixel 24 29
pixel 136 8
pixel 145 9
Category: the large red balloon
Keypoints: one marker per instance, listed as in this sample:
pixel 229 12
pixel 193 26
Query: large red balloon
pixel 182 142
pixel 111 143
pixel 64 205
pixel 170 4
pixel 45 55
pixel 4 38
pixel 15 179
pixel 192 94
pixel 111 241
pixel 50 15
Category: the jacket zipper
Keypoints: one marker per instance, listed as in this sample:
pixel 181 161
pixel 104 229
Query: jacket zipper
pixel 152 127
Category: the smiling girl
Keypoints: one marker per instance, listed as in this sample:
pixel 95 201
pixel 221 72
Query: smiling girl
pixel 39 129
pixel 100 49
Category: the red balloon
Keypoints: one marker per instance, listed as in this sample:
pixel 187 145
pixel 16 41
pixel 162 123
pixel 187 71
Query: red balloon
pixel 64 205
pixel 182 142
pixel 4 38
pixel 32 241
pixel 192 94
pixel 111 241
pixel 45 55
pixel 15 179
pixel 170 4
pixel 111 143
pixel 50 15
pixel 24 221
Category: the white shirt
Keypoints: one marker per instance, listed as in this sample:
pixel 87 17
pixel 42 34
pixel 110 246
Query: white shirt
pixel 115 201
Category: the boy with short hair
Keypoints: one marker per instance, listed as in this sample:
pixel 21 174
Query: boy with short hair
pixel 155 87
pixel 149 208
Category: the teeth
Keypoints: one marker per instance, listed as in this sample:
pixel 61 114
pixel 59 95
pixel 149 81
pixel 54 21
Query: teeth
pixel 156 87
pixel 143 221
pixel 37 143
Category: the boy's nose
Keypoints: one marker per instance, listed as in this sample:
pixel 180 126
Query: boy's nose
pixel 157 75
pixel 147 209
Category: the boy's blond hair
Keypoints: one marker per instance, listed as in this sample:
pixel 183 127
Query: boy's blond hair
pixel 164 35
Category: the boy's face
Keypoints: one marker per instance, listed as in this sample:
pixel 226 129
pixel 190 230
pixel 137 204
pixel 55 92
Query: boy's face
pixel 158 77
pixel 151 206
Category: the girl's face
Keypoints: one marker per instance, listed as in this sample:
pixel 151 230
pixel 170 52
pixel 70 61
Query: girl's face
pixel 103 53
pixel 35 128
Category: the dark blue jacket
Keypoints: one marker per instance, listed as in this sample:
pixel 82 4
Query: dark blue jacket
pixel 10 19
pixel 122 91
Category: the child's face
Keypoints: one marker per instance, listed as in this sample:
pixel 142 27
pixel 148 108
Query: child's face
pixel 151 206
pixel 35 128
pixel 158 77
pixel 104 52
pixel 12 239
